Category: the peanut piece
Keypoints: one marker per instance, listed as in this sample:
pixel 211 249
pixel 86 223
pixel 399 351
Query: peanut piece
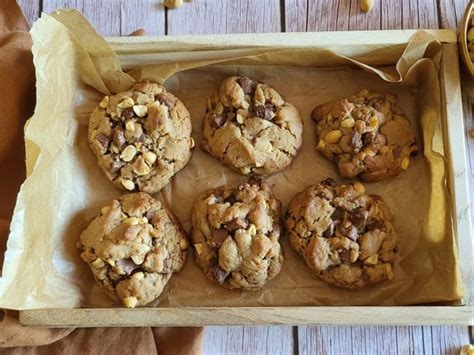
pixel 368 152
pixel 405 163
pixel 128 153
pixel 333 136
pixel 245 170
pixel 372 260
pixel 321 145
pixel 199 248
pixel 138 259
pixel 130 126
pixel 252 230
pixel 150 157
pixel 111 262
pixel 128 184
pixel 138 276
pixel 348 123
pixel 183 244
pixel 126 103
pixel 98 263
pixel 359 187
pixel 259 96
pixel 132 221
pixel 366 5
pixel 105 102
pixel 130 302
pixel 140 110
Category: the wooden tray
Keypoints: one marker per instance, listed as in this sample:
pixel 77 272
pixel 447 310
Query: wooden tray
pixel 375 47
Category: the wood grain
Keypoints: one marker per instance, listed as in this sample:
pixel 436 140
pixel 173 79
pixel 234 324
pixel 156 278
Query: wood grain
pixel 31 9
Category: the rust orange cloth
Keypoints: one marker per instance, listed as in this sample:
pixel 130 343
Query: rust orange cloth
pixel 17 89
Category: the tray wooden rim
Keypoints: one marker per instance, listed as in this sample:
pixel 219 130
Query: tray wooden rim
pixel 453 124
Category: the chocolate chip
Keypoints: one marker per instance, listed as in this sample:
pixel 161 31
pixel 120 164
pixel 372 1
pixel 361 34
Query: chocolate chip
pixel 118 137
pixel 230 116
pixel 237 223
pixel 264 112
pixel 348 230
pixel 127 113
pixel 230 199
pixel 255 180
pixel 377 224
pixel 358 218
pixel 328 182
pixel 103 140
pixel 217 121
pixel 167 266
pixel 356 140
pixel 338 214
pixel 218 236
pixel 127 265
pixel 246 84
pixel 166 100
pixel 328 233
pixel 218 274
pixel 368 139
pixel 346 256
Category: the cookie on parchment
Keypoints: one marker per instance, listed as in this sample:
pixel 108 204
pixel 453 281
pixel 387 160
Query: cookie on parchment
pixel 367 135
pixel 141 137
pixel 251 128
pixel 133 247
pixel 235 234
pixel 344 235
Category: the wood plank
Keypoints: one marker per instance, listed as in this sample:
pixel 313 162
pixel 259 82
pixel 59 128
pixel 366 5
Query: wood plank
pixel 296 14
pixel 410 14
pixel 31 9
pixel 360 20
pixel 450 12
pixel 116 18
pixel 428 14
pixel 322 15
pixel 391 14
pixel 242 16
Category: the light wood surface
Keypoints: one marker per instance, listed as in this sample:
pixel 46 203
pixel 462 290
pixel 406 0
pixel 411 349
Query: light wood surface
pixel 119 17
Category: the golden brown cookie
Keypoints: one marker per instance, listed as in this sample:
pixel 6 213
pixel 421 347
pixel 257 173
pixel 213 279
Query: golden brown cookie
pixel 141 137
pixel 133 247
pixel 235 234
pixel 366 135
pixel 345 235
pixel 251 128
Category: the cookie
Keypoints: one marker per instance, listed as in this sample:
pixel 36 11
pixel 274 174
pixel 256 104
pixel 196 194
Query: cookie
pixel 141 137
pixel 235 234
pixel 251 128
pixel 366 135
pixel 133 247
pixel 344 235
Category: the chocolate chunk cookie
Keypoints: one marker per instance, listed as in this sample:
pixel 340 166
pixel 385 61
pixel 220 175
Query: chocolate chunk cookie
pixel 141 137
pixel 251 128
pixel 367 135
pixel 133 247
pixel 345 235
pixel 235 234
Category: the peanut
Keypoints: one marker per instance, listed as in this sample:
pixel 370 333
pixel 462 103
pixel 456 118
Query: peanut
pixel 359 187
pixel 183 244
pixel 130 126
pixel 405 163
pixel 372 260
pixel 140 110
pixel 321 145
pixel 333 136
pixel 128 184
pixel 126 103
pixel 150 157
pixel 366 5
pixel 128 153
pixel 105 102
pixel 348 123
pixel 98 263
pixel 130 302
pixel 132 221
pixel 173 4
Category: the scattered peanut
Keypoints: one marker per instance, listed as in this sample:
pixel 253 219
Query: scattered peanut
pixel 150 158
pixel 126 103
pixel 140 110
pixel 366 5
pixel 183 244
pixel 333 136
pixel 173 4
pixel 105 102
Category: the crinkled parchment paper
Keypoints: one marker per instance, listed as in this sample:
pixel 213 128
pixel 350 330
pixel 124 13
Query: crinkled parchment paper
pixel 65 188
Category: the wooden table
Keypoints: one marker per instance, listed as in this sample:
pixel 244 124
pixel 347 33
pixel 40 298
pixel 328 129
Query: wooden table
pixel 120 17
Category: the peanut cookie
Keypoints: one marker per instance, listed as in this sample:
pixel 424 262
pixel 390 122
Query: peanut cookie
pixel 133 247
pixel 235 234
pixel 345 236
pixel 367 135
pixel 251 128
pixel 141 137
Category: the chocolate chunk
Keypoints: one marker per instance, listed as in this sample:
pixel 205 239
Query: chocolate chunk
pixel 255 180
pixel 396 152
pixel 218 274
pixel 230 199
pixel 103 140
pixel 368 139
pixel 328 182
pixel 358 218
pixel 118 137
pixel 356 141
pixel 377 224
pixel 167 266
pixel 166 100
pixel 346 256
pixel 338 214
pixel 216 121
pixel 264 112
pixel 246 84
pixel 115 165
pixel 328 233
pixel 237 223
pixel 127 265
pixel 149 215
pixel 127 113
pixel 218 236
pixel 348 230
pixel 230 116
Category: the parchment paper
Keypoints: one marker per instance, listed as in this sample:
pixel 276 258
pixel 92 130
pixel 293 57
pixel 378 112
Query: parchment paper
pixel 66 189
